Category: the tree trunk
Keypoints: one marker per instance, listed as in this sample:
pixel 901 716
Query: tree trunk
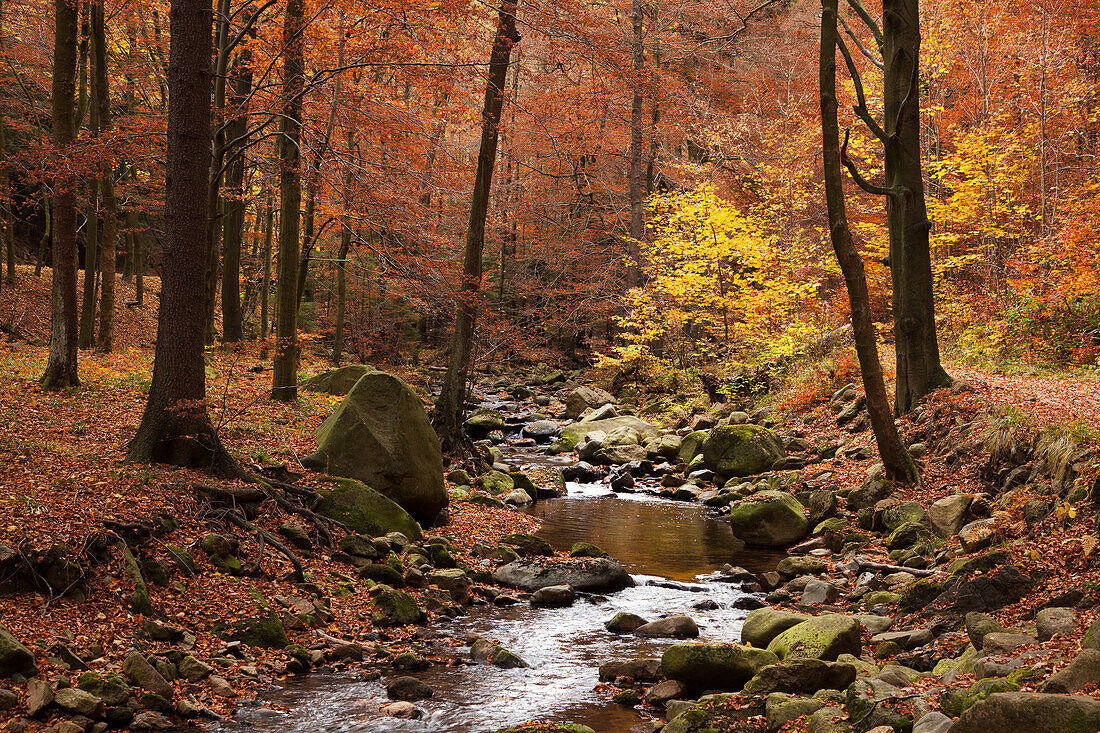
pixel 91 265
pixel 452 399
pixel 175 427
pixel 232 318
pixel 637 152
pixel 61 369
pixel 215 205
pixel 109 234
pixel 341 295
pixel 895 458
pixel 284 386
pixel 8 224
pixel 265 295
pixel 918 356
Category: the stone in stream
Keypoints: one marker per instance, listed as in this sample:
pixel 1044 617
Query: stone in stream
pixel 553 595
pixel 575 433
pixel 714 666
pixel 768 519
pixel 381 435
pixel 528 545
pixel 679 626
pixel 403 710
pixel 584 574
pixel 547 728
pixel 624 623
pixel 407 688
pixel 801 676
pixel 484 651
pixel 741 450
pixel 664 691
pixel 583 398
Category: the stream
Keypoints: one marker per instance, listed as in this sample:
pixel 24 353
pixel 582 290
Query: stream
pixel 670 548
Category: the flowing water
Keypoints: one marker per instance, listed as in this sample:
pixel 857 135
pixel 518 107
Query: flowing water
pixel 669 547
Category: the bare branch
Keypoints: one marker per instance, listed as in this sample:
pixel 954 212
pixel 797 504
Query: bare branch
pixel 859 44
pixel 865 16
pixel 860 108
pixel 857 176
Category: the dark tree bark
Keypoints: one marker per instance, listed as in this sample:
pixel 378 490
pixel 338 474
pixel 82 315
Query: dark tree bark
pixel 637 151
pixel 341 295
pixel 265 294
pixel 175 427
pixel 895 458
pixel 918 355
pixel 447 418
pixel 109 231
pixel 233 235
pixel 61 369
pixel 284 385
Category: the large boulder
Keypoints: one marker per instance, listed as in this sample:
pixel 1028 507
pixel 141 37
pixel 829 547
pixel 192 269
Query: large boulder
pixel 573 434
pixel 764 624
pixel 714 666
pixel 14 657
pixel 821 637
pixel 584 574
pixel 365 511
pixel 768 519
pixel 1031 712
pixel 741 450
pixel 948 515
pixel 801 676
pixel 582 398
pixel 337 382
pixel 381 435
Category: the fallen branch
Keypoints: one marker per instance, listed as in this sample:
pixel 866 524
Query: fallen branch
pixel 235 518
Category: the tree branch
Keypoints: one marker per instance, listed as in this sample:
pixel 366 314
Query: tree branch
pixel 859 44
pixel 865 16
pixel 861 108
pixel 856 175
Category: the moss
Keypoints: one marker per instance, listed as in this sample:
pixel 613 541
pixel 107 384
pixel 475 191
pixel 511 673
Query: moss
pixel 741 450
pixel 366 511
pixel 261 631
pixel 395 608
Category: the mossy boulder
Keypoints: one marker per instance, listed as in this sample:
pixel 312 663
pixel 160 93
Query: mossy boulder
pixel 741 450
pixel 586 549
pixel 484 651
pixel 875 703
pixel 714 666
pixel 496 482
pixel 337 382
pixel 482 422
pixel 768 519
pixel 528 545
pixel 1032 712
pixel 573 434
pixel 365 511
pixel 821 637
pixel 380 435
pixel 111 687
pixel 547 728
pixel 395 608
pixel 262 631
pixel 14 657
pixel 764 624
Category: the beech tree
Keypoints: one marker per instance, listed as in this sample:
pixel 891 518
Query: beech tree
pixel 895 458
pixel 452 398
pixel 61 368
pixel 175 427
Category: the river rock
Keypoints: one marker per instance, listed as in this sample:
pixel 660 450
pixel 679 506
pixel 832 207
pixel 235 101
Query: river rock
pixel 714 666
pixel 381 435
pixel 801 676
pixel 528 545
pixel 1031 712
pixel 932 722
pixel 403 710
pixel 481 422
pixel 553 595
pixel 584 574
pixel 768 519
pixel 14 657
pixel 39 696
pixel 1004 642
pixel 395 608
pixel 547 728
pixel 337 382
pixel 366 511
pixel 484 651
pixel 407 688
pixel 818 592
pixel 77 701
pixel 583 398
pixel 821 637
pixel 782 709
pixel 979 535
pixel 1082 672
pixel 678 626
pixel 543 431
pixel 624 623
pixel 111 688
pixel 893 709
pixel 764 624
pixel 741 450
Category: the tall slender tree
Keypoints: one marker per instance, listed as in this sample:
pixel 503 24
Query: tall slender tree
pixel 637 146
pixel 895 458
pixel 284 385
pixel 61 369
pixel 108 235
pixel 175 427
pixel 452 398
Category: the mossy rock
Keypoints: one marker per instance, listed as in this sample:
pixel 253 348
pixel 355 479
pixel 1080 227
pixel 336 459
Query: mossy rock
pixel 337 382
pixel 585 549
pixel 714 666
pixel 741 450
pixel 768 519
pixel 822 637
pixel 366 511
pixel 528 545
pixel 382 573
pixel 261 631
pixel 482 422
pixel 496 482
pixel 111 687
pixel 956 702
pixel 395 608
pixel 691 445
pixel 547 728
